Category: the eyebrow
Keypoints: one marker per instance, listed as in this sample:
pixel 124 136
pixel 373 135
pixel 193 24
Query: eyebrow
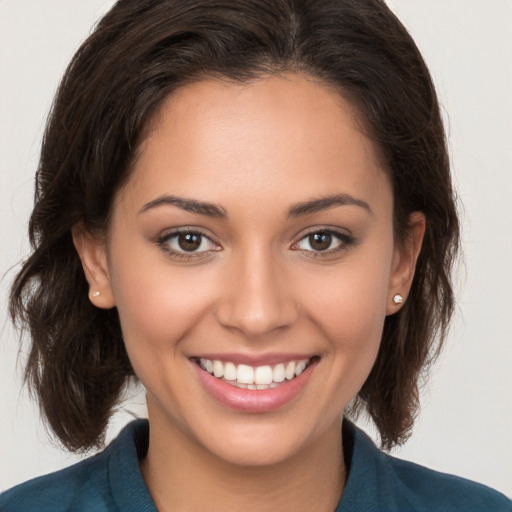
pixel 325 203
pixel 189 205
pixel 297 210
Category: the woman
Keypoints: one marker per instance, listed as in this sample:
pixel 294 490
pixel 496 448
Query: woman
pixel 248 207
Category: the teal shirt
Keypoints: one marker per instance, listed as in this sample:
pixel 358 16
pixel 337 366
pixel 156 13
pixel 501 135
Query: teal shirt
pixel 111 481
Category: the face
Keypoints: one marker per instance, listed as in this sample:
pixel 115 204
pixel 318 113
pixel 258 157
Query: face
pixel 252 261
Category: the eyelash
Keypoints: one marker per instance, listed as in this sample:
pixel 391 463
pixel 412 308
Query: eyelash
pixel 345 241
pixel 165 240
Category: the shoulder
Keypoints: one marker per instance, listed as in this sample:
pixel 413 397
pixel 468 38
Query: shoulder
pixel 391 484
pixel 432 490
pixel 104 482
pixel 84 484
pixel 61 490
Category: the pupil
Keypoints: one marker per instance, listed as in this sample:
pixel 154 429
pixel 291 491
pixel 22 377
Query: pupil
pixel 320 241
pixel 189 241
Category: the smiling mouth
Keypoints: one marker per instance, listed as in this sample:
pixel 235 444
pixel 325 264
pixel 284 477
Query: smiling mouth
pixel 255 378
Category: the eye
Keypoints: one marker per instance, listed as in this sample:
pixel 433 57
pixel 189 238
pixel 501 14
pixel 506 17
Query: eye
pixel 187 243
pixel 323 241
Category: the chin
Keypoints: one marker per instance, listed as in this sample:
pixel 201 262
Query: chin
pixel 256 449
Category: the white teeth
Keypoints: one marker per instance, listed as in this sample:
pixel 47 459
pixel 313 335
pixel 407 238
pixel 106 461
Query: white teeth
pixel 260 377
pixel 245 374
pixel 218 369
pixel 290 370
pixel 230 372
pixel 300 368
pixel 263 375
pixel 278 375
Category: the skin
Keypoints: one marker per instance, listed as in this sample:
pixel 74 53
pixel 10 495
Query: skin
pixel 259 286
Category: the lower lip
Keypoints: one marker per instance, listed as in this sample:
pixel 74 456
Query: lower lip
pixel 254 401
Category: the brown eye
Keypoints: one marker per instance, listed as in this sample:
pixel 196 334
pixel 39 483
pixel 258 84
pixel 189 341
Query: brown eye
pixel 320 241
pixel 183 242
pixel 189 241
pixel 324 242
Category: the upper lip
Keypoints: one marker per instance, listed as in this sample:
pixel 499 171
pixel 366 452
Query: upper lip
pixel 254 360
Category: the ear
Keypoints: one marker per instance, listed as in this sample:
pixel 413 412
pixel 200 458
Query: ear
pixel 404 262
pixel 93 256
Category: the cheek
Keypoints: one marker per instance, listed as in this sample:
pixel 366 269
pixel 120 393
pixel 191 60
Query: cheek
pixel 349 304
pixel 157 305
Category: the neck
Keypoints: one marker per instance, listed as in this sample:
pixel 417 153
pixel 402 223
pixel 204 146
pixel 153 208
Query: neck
pixel 182 475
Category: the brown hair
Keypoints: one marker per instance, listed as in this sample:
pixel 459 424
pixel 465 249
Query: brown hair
pixel 138 54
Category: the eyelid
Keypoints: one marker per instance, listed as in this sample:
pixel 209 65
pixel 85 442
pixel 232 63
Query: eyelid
pixel 163 242
pixel 346 240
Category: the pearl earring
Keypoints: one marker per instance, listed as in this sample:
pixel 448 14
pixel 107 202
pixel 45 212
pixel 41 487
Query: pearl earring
pixel 398 299
pixel 96 294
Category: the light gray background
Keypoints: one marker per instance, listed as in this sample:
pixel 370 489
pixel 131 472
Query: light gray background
pixel 466 422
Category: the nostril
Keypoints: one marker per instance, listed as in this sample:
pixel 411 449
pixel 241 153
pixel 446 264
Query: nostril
pixel 255 298
pixel 254 322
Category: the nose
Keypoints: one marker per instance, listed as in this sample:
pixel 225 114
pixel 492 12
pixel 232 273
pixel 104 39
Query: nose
pixel 257 298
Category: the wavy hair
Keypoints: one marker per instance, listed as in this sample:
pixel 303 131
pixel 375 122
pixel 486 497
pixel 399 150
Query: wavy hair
pixel 138 54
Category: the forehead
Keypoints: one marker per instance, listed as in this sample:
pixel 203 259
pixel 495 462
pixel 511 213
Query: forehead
pixel 289 135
